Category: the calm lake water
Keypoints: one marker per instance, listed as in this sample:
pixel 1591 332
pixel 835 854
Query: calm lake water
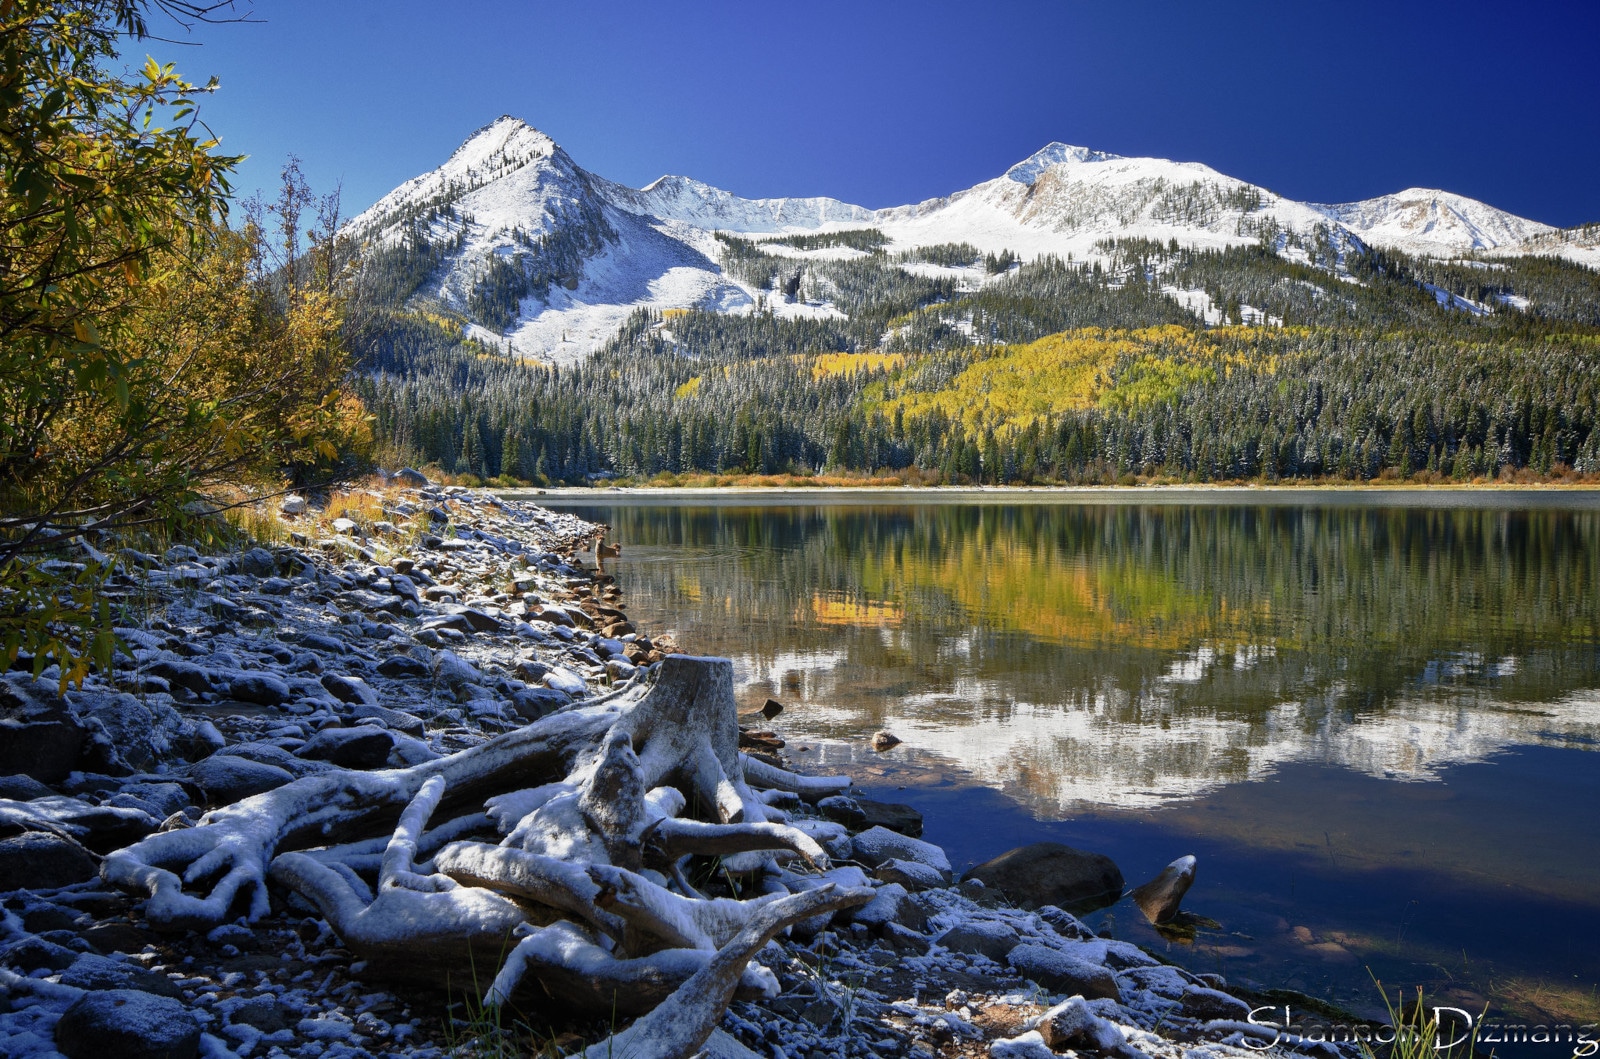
pixel 1375 724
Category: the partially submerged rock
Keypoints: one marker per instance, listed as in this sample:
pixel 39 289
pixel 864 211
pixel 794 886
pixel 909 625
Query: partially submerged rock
pixel 1159 898
pixel 1050 873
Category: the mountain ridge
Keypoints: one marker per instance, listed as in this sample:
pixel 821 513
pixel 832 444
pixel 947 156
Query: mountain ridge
pixel 549 259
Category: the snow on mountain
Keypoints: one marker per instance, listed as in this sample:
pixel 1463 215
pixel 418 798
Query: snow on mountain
pixel 676 198
pixel 1423 221
pixel 558 257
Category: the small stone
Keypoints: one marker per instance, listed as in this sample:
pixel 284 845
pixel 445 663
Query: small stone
pixel 293 505
pixel 882 741
pixel 37 860
pixel 344 526
pixel 771 708
pixel 127 1024
pixel 478 621
pixel 1159 898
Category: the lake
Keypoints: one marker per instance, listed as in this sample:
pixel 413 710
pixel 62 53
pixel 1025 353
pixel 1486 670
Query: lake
pixel 1373 716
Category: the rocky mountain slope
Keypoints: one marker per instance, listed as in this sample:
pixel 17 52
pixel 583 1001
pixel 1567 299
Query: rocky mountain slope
pixel 547 259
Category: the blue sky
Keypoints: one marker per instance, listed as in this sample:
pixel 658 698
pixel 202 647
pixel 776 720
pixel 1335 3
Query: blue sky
pixel 881 104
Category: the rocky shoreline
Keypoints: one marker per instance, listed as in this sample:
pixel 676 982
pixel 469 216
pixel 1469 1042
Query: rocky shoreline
pixel 439 622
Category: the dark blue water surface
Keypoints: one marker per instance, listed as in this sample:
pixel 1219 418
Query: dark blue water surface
pixel 1374 719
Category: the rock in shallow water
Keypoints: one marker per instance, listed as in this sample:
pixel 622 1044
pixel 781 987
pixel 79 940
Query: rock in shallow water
pixel 1049 873
pixel 1159 898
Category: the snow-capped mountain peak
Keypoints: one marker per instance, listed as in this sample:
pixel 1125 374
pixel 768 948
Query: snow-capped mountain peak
pixel 1051 154
pixel 550 259
pixel 1429 221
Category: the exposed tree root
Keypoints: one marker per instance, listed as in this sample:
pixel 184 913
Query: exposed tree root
pixel 588 801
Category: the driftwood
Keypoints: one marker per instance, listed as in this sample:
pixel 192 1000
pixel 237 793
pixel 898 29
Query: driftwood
pixel 583 902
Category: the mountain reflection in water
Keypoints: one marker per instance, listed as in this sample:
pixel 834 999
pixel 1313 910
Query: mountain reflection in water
pixel 1185 669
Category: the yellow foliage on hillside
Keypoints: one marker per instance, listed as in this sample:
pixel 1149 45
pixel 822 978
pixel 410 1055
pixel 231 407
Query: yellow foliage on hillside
pixel 824 365
pixel 689 389
pixel 673 314
pixel 1006 387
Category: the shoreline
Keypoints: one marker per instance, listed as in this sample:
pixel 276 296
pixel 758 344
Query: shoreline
pixel 1577 497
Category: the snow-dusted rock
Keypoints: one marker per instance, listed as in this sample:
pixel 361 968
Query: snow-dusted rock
pixel 878 844
pixel 980 937
pixel 228 777
pixel 1061 973
pixel 1028 1045
pixel 127 1024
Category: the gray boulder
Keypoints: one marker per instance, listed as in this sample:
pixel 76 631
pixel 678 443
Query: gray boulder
pixel 402 666
pixel 1061 973
pixel 181 674
pixel 910 874
pixel 410 477
pixel 20 786
pixel 895 817
pixel 1049 873
pixel 228 777
pixel 883 909
pixel 258 562
pixel 980 937
pixel 128 733
pixel 350 689
pixel 363 747
pixel 101 828
pixel 36 860
pixel 90 971
pixel 38 736
pixel 262 689
pixel 1207 1004
pixel 395 720
pixel 128 1024
pixel 1072 1025
pixel 878 844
